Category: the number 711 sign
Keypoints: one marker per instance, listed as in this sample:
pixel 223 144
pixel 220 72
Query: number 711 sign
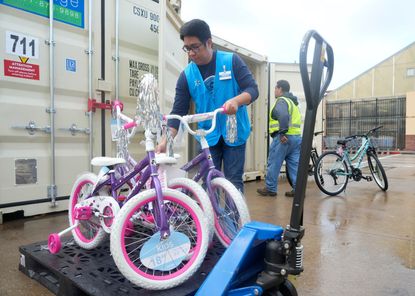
pixel 22 45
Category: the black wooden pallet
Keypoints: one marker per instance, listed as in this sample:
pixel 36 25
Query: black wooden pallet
pixel 75 271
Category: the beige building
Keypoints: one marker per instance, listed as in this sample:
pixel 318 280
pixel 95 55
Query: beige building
pixel 392 78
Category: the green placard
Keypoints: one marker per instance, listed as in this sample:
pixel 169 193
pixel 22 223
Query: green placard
pixel 41 7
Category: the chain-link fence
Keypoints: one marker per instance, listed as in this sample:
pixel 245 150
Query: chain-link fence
pixel 347 118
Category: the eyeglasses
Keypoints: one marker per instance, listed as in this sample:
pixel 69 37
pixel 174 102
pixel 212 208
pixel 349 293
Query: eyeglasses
pixel 193 47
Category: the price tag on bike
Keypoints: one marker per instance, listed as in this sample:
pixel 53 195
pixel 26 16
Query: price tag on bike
pixel 165 254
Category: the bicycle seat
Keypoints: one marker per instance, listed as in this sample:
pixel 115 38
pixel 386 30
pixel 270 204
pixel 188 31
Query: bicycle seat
pixel 342 142
pixel 106 161
pixel 162 158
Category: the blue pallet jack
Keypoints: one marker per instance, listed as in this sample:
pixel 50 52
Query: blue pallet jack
pixel 262 255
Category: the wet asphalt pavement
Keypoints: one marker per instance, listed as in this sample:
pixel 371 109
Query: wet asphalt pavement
pixel 361 242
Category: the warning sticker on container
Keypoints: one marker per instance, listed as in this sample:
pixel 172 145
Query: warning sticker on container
pixel 21 70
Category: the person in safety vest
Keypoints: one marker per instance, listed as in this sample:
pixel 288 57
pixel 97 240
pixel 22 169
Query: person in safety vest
pixel 211 80
pixel 285 130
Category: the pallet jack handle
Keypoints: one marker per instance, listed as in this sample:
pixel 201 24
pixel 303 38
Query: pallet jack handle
pixel 315 85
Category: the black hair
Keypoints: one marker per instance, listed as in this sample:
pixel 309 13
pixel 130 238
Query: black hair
pixel 284 85
pixel 196 28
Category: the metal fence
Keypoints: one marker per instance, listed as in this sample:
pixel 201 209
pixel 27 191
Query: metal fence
pixel 347 118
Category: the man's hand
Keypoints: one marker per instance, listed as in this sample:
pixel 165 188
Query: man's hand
pixel 161 147
pixel 231 106
pixel 283 138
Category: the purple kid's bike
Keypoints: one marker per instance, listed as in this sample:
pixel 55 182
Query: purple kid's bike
pixel 229 206
pixel 159 236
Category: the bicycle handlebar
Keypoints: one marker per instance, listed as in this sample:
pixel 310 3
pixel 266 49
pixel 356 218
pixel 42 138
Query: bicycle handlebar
pixel 365 135
pixel 197 118
pixel 131 123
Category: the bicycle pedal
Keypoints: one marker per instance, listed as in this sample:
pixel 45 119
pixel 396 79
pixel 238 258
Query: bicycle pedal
pixel 368 178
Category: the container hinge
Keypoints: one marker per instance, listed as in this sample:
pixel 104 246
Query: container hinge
pixel 32 128
pixel 47 42
pixel 50 110
pixel 74 129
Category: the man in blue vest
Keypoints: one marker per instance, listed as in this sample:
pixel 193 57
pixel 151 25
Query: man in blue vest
pixel 285 130
pixel 211 80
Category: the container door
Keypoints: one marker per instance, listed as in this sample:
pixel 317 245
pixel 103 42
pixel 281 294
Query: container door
pixel 25 129
pixel 141 38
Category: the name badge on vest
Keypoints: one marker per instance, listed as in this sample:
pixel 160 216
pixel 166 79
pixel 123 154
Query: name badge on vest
pixel 225 75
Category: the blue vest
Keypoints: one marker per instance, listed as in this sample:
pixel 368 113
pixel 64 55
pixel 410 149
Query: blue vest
pixel 206 101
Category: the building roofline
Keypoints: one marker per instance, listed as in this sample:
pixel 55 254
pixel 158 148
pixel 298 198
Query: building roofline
pixel 371 68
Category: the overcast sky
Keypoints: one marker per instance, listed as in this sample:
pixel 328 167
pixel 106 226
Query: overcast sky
pixel 362 33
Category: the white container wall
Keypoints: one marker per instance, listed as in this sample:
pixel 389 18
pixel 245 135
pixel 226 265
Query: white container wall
pixel 139 31
pixel 26 89
pixel 291 73
pixel 26 94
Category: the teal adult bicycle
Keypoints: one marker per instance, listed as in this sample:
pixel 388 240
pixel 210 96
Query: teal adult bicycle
pixel 334 169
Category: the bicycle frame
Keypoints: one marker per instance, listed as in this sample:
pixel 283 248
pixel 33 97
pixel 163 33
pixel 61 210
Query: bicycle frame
pixel 142 172
pixel 361 152
pixel 314 154
pixel 207 169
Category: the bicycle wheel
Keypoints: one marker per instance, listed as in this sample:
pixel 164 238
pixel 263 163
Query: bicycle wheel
pixel 232 213
pixel 331 173
pixel 377 171
pixel 149 261
pixel 89 234
pixel 197 193
pixel 314 159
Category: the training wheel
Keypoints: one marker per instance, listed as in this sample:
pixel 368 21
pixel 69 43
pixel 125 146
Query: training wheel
pixel 54 243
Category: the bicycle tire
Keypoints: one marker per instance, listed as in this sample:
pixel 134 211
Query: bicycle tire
pixel 89 234
pixel 197 193
pixel 314 158
pixel 310 172
pixel 377 170
pixel 329 170
pixel 135 219
pixel 233 216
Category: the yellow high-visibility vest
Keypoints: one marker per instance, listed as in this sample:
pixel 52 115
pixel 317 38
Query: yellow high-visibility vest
pixel 294 125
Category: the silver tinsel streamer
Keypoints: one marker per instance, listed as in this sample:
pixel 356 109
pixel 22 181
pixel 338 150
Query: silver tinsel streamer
pixel 148 110
pixel 122 144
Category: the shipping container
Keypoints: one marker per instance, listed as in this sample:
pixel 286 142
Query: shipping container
pixel 54 70
pixel 58 75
